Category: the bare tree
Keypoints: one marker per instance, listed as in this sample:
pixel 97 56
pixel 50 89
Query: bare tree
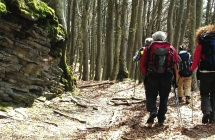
pixel 85 39
pixel 138 36
pixel 109 42
pixel 123 72
pixel 207 20
pixel 199 8
pixel 184 23
pixel 132 31
pixel 99 42
pixel 192 30
pixel 117 40
pixel 177 33
pixel 170 29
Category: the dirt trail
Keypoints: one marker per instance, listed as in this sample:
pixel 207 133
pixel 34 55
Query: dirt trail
pixel 104 111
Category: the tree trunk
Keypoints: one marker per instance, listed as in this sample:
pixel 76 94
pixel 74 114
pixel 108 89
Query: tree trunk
pixel 85 40
pixel 207 20
pixel 160 8
pixel 177 34
pixel 192 27
pixel 138 37
pixel 109 40
pixel 123 72
pixel 117 41
pixel 170 29
pixel 184 24
pixel 199 8
pixel 99 42
pixel 132 31
pixel 93 43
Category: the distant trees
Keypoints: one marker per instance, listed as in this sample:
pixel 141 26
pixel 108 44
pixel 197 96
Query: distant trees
pixel 103 35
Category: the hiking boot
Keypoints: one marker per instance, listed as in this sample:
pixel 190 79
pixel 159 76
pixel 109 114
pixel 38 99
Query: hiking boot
pixel 212 118
pixel 151 117
pixel 159 124
pixel 180 100
pixel 205 117
pixel 188 99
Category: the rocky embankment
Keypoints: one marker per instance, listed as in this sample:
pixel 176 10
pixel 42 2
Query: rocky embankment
pixel 27 71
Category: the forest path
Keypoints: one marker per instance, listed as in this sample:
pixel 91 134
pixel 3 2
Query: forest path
pixel 102 111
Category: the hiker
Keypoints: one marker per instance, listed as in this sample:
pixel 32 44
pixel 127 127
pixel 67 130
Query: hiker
pixel 204 58
pixel 185 75
pixel 140 52
pixel 158 63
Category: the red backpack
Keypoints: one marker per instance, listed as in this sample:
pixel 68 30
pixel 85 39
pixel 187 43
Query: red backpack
pixel 160 56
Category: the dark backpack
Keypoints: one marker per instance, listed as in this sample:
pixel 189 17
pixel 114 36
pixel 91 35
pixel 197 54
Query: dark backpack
pixel 185 64
pixel 160 57
pixel 207 40
pixel 139 53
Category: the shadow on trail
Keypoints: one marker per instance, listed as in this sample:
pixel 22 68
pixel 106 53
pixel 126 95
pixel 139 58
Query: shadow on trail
pixel 129 124
pixel 200 131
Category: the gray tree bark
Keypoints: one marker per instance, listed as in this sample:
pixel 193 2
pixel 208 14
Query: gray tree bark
pixel 170 29
pixel 109 41
pixel 85 40
pixel 131 36
pixel 99 42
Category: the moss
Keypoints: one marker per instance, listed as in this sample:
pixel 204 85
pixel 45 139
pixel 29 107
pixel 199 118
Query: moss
pixel 40 13
pixel 4 105
pixel 30 12
pixel 3 9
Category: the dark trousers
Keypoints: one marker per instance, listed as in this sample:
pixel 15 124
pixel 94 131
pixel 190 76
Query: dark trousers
pixel 158 84
pixel 207 92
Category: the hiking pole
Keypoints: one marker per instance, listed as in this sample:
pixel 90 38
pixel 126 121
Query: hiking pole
pixel 192 105
pixel 177 105
pixel 135 75
pixel 193 78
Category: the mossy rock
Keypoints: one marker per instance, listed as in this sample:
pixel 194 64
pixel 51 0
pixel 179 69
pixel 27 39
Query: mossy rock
pixel 30 12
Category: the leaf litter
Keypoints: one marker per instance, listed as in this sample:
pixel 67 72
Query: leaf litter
pixel 103 110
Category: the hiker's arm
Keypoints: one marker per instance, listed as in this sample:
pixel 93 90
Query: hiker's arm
pixel 196 57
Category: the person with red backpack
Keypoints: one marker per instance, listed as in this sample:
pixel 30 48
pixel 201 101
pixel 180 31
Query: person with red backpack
pixel 204 59
pixel 159 63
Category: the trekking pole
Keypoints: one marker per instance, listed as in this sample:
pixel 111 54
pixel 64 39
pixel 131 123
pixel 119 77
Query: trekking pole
pixel 177 105
pixel 135 75
pixel 193 78
pixel 192 105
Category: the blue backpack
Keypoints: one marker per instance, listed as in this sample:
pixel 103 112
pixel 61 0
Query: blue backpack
pixel 207 40
pixel 185 64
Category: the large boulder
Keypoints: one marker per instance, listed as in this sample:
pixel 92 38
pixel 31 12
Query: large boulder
pixel 30 51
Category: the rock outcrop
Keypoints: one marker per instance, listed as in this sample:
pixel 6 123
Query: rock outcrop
pixel 27 70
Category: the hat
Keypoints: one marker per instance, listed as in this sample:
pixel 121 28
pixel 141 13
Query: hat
pixel 148 40
pixel 159 36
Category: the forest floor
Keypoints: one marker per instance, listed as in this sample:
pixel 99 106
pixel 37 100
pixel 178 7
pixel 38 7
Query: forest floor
pixel 102 111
